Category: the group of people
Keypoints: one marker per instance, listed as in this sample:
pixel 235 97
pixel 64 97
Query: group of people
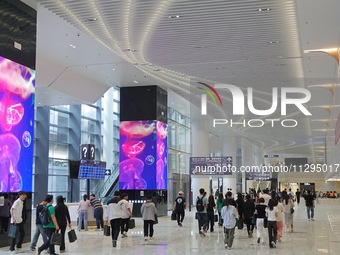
pixel 265 211
pixel 119 213
pixel 58 219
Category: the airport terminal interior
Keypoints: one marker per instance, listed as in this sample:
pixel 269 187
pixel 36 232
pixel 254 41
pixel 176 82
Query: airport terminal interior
pixel 156 97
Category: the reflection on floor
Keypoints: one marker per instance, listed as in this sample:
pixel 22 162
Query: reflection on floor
pixel 319 237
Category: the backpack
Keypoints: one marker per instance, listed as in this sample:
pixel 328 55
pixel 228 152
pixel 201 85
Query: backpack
pixel 44 215
pixel 199 204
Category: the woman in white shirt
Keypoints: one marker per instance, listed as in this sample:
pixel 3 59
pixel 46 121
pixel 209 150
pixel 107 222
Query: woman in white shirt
pixel 279 219
pixel 288 204
pixel 82 212
pixel 272 212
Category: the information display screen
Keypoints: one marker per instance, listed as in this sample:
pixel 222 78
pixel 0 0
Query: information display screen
pixel 93 170
pixel 17 88
pixel 143 155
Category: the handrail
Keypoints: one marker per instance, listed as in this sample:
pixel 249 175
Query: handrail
pixel 103 187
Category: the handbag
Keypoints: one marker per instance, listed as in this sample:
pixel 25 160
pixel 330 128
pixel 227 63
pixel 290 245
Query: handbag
pixel 72 237
pixel 173 215
pixel 107 230
pixel 292 210
pixel 156 220
pixel 132 224
pixel 215 218
pixel 253 220
pixel 12 232
pixel 240 224
pixel 55 239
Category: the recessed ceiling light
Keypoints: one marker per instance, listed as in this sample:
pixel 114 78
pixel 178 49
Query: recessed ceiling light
pixel 200 46
pixel 113 69
pixel 92 19
pixel 264 9
pixel 71 45
pixel 174 16
pixel 135 81
pixel 273 42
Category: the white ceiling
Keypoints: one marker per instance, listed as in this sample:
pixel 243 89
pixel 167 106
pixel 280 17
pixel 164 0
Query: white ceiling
pixel 215 41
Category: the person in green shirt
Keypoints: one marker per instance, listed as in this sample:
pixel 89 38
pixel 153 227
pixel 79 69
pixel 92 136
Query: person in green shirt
pixel 49 228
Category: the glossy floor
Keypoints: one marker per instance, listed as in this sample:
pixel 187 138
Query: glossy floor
pixel 321 236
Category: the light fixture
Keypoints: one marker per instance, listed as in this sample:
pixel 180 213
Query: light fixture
pixel 273 42
pixel 91 19
pixel 174 16
pixel 135 81
pixel 71 45
pixel 113 69
pixel 200 46
pixel 264 9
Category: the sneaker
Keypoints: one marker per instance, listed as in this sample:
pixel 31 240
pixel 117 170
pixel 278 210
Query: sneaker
pixel 180 224
pixel 114 243
pixel 62 251
pixel 258 240
pixel 292 230
pixel 202 234
pixel 226 246
pixel 273 244
pixel 151 238
pixel 312 219
pixel 97 229
pixel 32 249
pixel 125 234
pixel 308 219
pixel 279 239
pixel 13 252
pixel 145 238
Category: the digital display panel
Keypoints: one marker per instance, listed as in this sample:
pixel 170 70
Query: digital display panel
pixel 17 88
pixel 143 155
pixel 93 170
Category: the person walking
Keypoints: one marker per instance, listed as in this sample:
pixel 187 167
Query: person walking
pixel 260 212
pixel 298 194
pixel 126 215
pixel 288 205
pixel 211 207
pixel 97 211
pixel 39 229
pixel 82 212
pixel 279 219
pixel 310 205
pixel 229 215
pixel 114 215
pixel 5 214
pixel 17 219
pixel 271 213
pixel 50 228
pixel 179 208
pixel 63 217
pixel 201 207
pixel 219 203
pixel 149 213
pixel 248 212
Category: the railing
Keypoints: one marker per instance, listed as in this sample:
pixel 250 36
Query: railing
pixel 103 187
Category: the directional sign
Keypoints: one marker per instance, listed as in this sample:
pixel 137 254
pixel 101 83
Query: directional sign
pixel 108 172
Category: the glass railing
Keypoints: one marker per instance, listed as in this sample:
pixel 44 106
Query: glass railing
pixel 103 187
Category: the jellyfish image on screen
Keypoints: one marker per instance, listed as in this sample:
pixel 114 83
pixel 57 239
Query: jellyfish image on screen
pixel 149 160
pixel 162 130
pixel 130 171
pixel 160 174
pixel 26 139
pixel 136 129
pixel 10 178
pixel 132 149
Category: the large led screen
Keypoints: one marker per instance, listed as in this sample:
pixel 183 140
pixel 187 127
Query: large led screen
pixel 143 155
pixel 93 170
pixel 17 86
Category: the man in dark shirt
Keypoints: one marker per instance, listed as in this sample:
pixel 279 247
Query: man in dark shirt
pixel 39 227
pixel 179 208
pixel 310 204
pixel 297 194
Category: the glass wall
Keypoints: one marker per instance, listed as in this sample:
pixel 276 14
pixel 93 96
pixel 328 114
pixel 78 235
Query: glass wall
pixel 89 132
